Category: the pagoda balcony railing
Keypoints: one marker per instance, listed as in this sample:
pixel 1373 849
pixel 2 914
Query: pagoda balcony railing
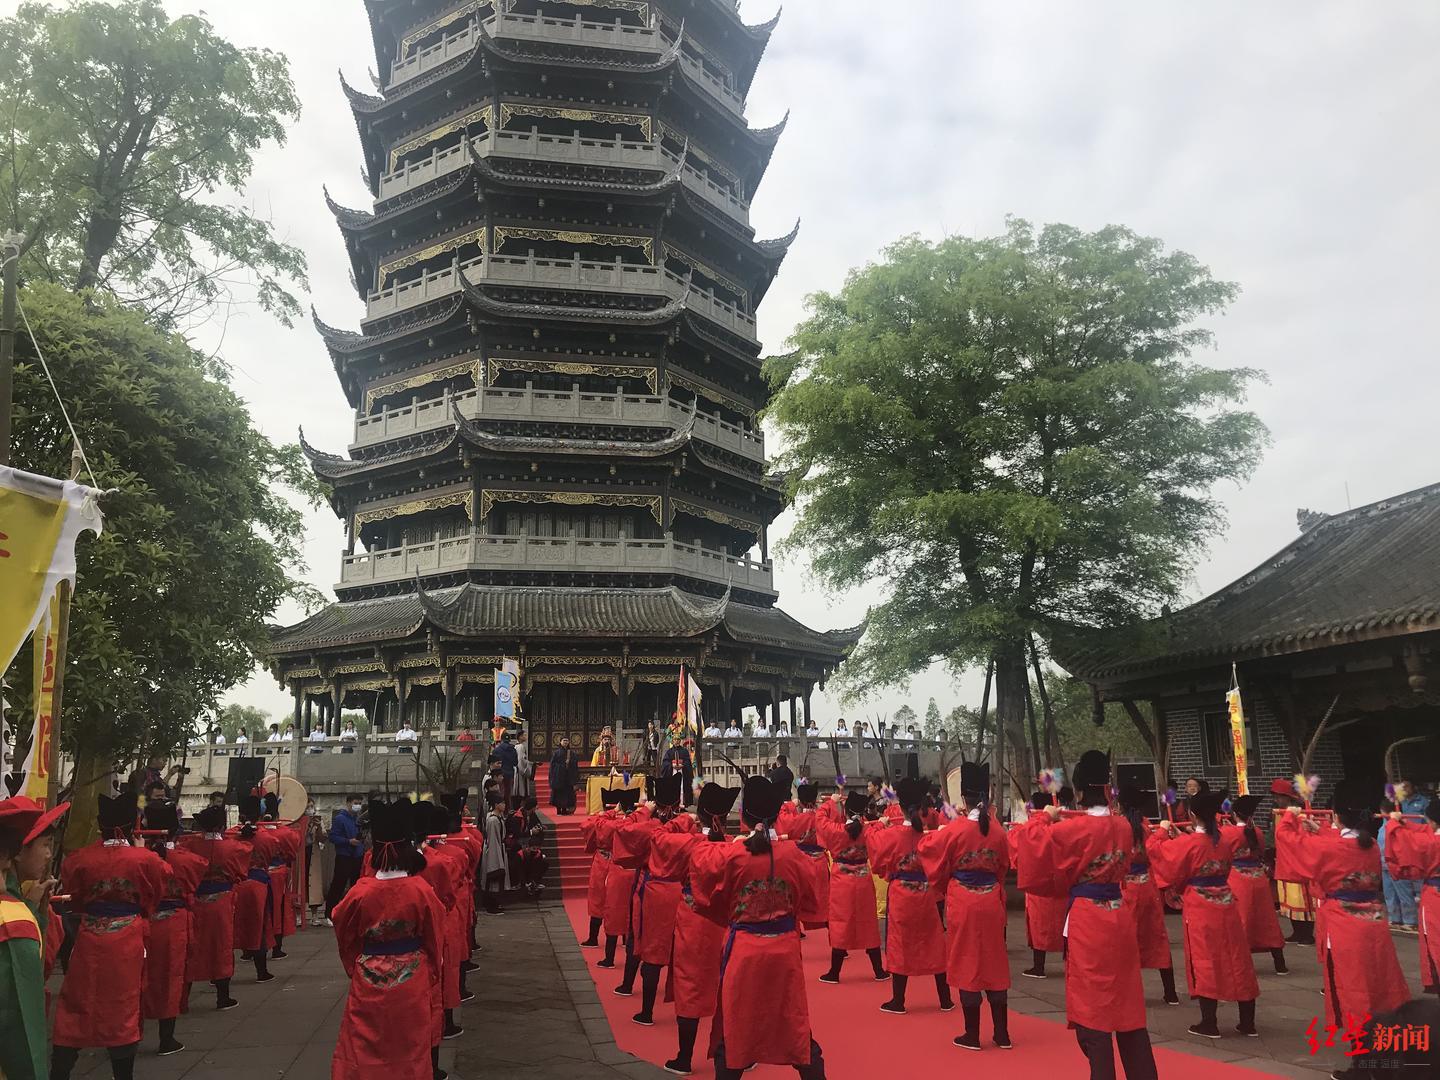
pixel 719 89
pixel 496 403
pixel 536 146
pixel 479 551
pixel 574 31
pixel 575 273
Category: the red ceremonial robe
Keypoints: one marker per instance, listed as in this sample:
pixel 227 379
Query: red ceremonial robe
pixel 212 916
pixel 764 1017
pixel 659 850
pixel 388 931
pixel 284 852
pixel 915 940
pixel 441 873
pixel 1352 930
pixel 798 823
pixel 253 926
pixel 115 888
pixel 1254 892
pixel 619 882
pixel 163 986
pixel 852 919
pixel 1142 897
pixel 1044 915
pixel 695 968
pixel 975 956
pixel 1075 856
pixel 1217 953
pixel 1412 852
pixel 596 831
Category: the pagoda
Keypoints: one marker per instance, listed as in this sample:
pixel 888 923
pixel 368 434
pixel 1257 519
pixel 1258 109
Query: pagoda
pixel 556 383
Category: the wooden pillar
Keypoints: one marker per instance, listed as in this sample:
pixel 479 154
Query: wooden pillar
pixel 809 716
pixel 447 687
pixel 400 689
pixel 337 701
pixel 298 695
pixel 792 715
pixel 309 703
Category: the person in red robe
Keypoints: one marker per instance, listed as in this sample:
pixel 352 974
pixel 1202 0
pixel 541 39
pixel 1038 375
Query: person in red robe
pixel 1142 897
pixel 1292 893
pixel 254 929
pixel 115 888
pixel 853 921
pixel 284 844
pixel 619 882
pixel 659 847
pixel 162 992
pixel 1251 885
pixel 1086 859
pixel 462 837
pixel 1044 915
pixel 1217 952
pixel 1412 853
pixel 915 944
pixel 443 873
pixel 211 957
pixel 757 888
pixel 1352 931
pixel 695 967
pixel 971 856
pixel 597 832
pixel 798 822
pixel 390 929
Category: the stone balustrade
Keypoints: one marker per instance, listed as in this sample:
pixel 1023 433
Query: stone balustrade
pixel 478 551
pixel 497 403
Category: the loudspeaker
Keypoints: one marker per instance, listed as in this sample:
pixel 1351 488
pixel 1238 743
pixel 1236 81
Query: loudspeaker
pixel 246 774
pixel 1140 776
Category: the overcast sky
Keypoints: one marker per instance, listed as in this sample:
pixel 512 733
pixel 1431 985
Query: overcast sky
pixel 1290 146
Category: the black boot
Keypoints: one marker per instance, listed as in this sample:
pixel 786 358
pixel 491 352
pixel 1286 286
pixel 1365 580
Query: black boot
pixel 877 964
pixel 168 1043
pixel 278 952
pixel 970 1009
pixel 1000 1017
pixel 1167 982
pixel 1247 1019
pixel 451 1030
pixel 435 1070
pixel 610 943
pixel 262 967
pixel 627 981
pixel 1304 933
pixel 122 1062
pixel 896 1004
pixel 223 1000
pixel 689 1028
pixel 62 1061
pixel 1278 955
pixel 1036 970
pixel 649 986
pixel 942 990
pixel 837 961
pixel 1207 1027
pixel 593 941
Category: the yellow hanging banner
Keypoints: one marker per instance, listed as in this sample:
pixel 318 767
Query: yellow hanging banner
pixel 46 642
pixel 1237 735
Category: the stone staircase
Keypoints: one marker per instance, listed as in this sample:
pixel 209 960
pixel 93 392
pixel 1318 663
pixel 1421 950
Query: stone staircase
pixel 565 846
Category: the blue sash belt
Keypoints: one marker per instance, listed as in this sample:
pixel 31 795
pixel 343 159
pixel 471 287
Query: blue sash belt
pixel 256 874
pixel 1139 868
pixel 1355 896
pixel 110 909
pixel 1095 890
pixel 210 888
pixel 975 879
pixel 915 877
pixel 811 849
pixel 170 905
pixel 1209 881
pixel 852 862
pixel 1245 864
pixel 397 947
pixel 1433 882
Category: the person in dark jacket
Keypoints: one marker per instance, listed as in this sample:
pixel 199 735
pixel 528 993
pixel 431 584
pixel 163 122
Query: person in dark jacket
pixel 349 853
pixel 564 775
pixel 506 756
pixel 782 777
pixel 677 759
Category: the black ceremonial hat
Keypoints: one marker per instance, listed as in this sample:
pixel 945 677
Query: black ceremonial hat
pixel 1356 795
pixel 272 805
pixel 162 816
pixel 717 801
pixel 1242 806
pixel 1207 803
pixel 974 780
pixel 391 822
pixel 610 796
pixel 667 790
pixel 807 793
pixel 210 819
pixel 1039 799
pixel 629 799
pixel 856 803
pixel 1092 770
pixel 250 808
pixel 117 812
pixel 762 799
pixel 911 792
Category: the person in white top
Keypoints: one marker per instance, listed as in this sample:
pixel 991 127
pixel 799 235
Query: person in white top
pixel 912 734
pixel 811 730
pixel 783 731
pixel 762 730
pixel 274 735
pixel 289 733
pixel 406 733
pixel 317 734
pixel 733 732
pixel 349 734
pixel 240 739
pixel 712 731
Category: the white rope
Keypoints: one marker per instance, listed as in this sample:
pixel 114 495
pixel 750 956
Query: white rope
pixel 79 446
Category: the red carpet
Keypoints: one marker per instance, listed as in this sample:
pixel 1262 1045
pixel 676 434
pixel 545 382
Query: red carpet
pixel 861 1041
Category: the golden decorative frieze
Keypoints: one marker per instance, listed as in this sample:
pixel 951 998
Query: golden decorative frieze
pixel 476 677
pixel 672 252
pixel 579 661
pixel 357 668
pixel 451 661
pixel 470 367
pixel 419 662
pixel 489 497
pixel 680 506
pixel 768 669
pixel 481 115
pixel 511 109
pixel 668 661
pixel 719 397
pixel 570 236
pixel 455 243
pixel 573 678
pixel 418 506
pixel 719 662
pixel 368 684
pixel 303 673
pixel 448 19
pixel 421 680
pixel 652 678
pixel 497 364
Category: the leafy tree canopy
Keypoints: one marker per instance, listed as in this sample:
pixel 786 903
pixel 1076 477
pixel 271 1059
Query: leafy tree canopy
pixel 200 543
pixel 232 718
pixel 1009 432
pixel 932 722
pixel 904 717
pixel 125 135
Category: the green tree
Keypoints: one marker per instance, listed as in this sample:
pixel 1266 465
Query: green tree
pixel 903 718
pixel 1075 724
pixel 1010 433
pixel 200 543
pixel 126 134
pixel 932 722
pixel 232 718
pixel 962 725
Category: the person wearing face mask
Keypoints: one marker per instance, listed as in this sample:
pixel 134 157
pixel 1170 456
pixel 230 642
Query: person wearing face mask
pixel 349 853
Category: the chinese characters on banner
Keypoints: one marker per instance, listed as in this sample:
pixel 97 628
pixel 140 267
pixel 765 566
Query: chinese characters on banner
pixel 1237 735
pixel 1386 1038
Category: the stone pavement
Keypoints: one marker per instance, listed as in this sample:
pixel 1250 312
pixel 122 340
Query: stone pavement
pixel 535 1015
